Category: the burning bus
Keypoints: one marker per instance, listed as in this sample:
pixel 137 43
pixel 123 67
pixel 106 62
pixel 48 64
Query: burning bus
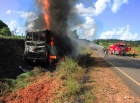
pixel 39 47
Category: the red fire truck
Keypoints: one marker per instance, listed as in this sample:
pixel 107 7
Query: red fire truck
pixel 119 48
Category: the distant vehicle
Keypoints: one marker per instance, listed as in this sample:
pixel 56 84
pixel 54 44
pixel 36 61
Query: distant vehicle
pixel 119 48
pixel 94 46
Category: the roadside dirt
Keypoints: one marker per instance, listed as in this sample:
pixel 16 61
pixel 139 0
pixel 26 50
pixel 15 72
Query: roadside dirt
pixel 109 88
pixel 44 90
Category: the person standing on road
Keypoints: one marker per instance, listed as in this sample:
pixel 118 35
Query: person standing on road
pixel 119 53
pixel 106 53
pixel 134 53
pixel 104 50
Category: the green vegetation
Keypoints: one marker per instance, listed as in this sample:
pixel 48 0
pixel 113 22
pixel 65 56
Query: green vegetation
pixel 2 24
pixel 23 80
pixel 12 37
pixel 70 73
pixel 108 42
pixel 137 48
pixel 6 33
pixel 73 74
pixel 135 45
pixel 4 30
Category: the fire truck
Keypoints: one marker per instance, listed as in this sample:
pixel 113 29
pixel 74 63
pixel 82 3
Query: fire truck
pixel 119 48
pixel 40 47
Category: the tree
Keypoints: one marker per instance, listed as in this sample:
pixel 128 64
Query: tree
pixel 5 31
pixel 97 42
pixel 2 24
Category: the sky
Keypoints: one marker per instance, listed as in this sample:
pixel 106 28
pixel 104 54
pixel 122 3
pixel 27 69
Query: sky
pixel 101 19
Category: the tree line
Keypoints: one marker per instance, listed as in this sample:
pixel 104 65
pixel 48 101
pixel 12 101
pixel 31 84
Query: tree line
pixel 108 42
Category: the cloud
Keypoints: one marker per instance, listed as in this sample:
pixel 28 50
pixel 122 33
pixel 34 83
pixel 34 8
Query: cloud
pixel 117 4
pixel 89 28
pixel 22 14
pixel 15 28
pixel 29 17
pixel 89 34
pixel 98 7
pixel 8 12
pixel 20 31
pixel 120 33
pixel 20 28
pixel 12 25
pixel 81 10
pixel 26 15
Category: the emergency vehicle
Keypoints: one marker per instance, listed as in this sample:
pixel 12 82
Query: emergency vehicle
pixel 119 48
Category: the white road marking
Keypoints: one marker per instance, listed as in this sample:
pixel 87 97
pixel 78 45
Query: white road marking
pixel 122 71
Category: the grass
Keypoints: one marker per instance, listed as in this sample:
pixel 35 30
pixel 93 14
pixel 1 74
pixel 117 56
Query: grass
pixel 89 97
pixel 12 37
pixel 23 80
pixel 137 52
pixel 73 72
pixel 73 87
pixel 4 88
pixel 70 71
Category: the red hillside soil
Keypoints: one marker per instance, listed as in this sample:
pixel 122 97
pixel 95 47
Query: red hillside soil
pixel 43 91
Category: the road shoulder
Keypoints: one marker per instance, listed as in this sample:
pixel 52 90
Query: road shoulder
pixel 109 87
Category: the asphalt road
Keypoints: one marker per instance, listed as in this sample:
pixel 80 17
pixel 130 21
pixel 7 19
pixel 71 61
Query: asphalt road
pixel 127 68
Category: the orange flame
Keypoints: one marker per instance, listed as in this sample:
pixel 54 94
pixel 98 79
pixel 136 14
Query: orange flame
pixel 45 8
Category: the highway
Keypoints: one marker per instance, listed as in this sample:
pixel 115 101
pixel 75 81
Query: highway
pixel 127 68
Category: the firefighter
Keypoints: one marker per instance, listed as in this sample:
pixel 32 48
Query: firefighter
pixel 104 50
pixel 134 53
pixel 106 53
pixel 119 53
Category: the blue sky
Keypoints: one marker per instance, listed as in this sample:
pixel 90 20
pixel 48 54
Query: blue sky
pixel 102 19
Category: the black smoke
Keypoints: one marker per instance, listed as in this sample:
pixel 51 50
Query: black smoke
pixel 59 11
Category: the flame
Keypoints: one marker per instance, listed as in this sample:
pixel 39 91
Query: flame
pixel 45 7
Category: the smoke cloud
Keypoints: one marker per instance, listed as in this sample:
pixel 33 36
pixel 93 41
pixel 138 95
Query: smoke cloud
pixel 60 12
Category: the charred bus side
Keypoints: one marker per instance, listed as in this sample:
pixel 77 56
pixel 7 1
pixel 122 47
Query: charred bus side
pixel 40 47
pixel 35 46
